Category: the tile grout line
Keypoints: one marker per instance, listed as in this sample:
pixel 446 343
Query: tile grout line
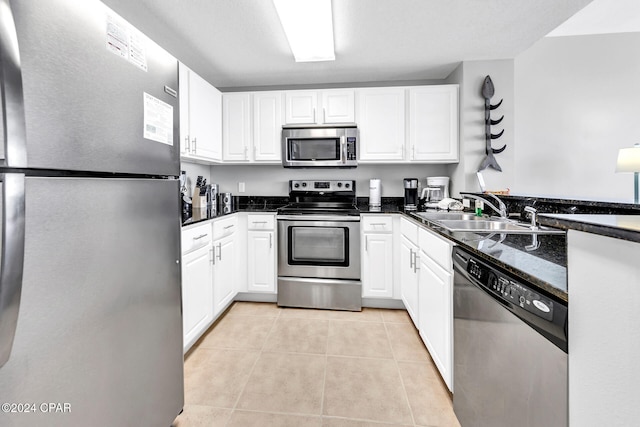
pixel 326 364
pixel 404 388
pixel 252 369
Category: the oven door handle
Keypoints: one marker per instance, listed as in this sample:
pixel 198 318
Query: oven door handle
pixel 332 218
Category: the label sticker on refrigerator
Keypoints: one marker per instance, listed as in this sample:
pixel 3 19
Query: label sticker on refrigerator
pixel 158 120
pixel 126 42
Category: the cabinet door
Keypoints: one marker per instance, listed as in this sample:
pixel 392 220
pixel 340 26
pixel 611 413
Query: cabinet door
pixel 197 294
pixel 436 317
pixel 224 289
pixel 381 120
pixel 300 107
pixel 377 270
pixel 236 126
pixel 409 278
pixel 205 127
pixel 433 123
pixel 261 261
pixel 338 106
pixel 183 99
pixel 267 126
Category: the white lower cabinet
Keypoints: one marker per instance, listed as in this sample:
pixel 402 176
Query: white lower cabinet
pixel 409 268
pixel 435 301
pixel 197 290
pixel 377 256
pixel 261 253
pixel 225 260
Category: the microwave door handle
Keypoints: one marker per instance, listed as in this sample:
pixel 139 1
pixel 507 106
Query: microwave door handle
pixel 343 141
pixel 15 154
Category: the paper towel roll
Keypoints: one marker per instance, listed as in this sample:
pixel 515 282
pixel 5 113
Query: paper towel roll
pixel 375 192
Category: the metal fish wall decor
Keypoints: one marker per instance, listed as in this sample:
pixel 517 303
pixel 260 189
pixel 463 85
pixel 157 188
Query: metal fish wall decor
pixel 487 93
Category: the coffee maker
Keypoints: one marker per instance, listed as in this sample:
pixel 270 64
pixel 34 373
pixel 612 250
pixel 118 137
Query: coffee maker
pixel 436 190
pixel 410 194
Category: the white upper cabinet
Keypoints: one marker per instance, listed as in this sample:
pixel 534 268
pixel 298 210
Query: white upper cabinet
pixel 236 126
pixel 301 107
pixel 433 123
pixel 252 127
pixel 320 107
pixel 200 117
pixel 338 106
pixel 267 126
pixel 381 120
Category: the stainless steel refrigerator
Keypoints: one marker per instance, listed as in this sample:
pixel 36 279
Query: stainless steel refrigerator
pixel 90 301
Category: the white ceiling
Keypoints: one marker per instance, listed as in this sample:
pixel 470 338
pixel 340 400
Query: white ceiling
pixel 602 17
pixel 240 43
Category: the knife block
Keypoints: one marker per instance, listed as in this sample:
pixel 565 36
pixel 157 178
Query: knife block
pixel 199 201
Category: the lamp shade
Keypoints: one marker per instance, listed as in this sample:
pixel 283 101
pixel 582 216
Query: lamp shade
pixel 628 159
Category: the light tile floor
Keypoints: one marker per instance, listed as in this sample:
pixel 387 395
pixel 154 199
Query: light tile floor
pixel 262 365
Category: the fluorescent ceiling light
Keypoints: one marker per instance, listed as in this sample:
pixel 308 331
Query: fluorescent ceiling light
pixel 308 25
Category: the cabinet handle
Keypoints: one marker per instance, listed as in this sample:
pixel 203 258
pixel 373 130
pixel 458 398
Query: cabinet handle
pixel 413 152
pixel 378 223
pixel 270 242
pixel 187 144
pixel 324 115
pixel 411 258
pixel 213 257
pixel 259 222
pixel 220 251
pixel 366 243
pixel 195 140
pixel 228 226
pixel 200 236
pixel 314 114
pixel 415 263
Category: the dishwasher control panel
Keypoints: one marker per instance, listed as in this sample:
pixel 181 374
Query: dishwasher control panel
pixel 509 290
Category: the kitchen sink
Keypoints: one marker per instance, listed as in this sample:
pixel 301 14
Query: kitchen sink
pixel 494 225
pixel 465 221
pixel 439 216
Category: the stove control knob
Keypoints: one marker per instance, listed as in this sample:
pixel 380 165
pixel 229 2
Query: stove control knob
pixel 347 185
pixel 304 184
pixel 296 185
pixel 340 184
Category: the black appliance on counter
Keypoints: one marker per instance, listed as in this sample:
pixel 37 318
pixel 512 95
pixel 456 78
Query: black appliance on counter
pixel 319 246
pixel 410 194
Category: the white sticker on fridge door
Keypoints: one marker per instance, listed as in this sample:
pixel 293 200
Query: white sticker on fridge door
pixel 158 120
pixel 126 42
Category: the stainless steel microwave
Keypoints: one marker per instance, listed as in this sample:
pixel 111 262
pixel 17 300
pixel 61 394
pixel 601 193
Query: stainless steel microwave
pixel 320 146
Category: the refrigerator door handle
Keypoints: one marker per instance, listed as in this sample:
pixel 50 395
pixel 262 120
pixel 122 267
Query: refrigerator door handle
pixel 15 148
pixel 11 258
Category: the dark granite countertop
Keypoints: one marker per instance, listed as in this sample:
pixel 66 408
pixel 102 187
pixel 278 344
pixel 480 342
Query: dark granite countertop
pixel 539 259
pixel 626 227
pixel 544 266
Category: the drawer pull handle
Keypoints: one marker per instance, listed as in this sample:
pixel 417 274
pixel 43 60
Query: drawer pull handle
pixel 259 222
pixel 200 236
pixel 379 223
pixel 228 226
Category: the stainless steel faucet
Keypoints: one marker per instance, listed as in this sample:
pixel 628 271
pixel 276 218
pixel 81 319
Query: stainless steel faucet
pixel 534 216
pixel 501 209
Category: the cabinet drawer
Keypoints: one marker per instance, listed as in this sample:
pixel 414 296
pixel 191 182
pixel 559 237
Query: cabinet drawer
pixel 376 223
pixel 436 248
pixel 261 222
pixel 225 226
pixel 196 238
pixel 409 230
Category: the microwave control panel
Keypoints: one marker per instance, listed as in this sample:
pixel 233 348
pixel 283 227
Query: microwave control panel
pixel 351 148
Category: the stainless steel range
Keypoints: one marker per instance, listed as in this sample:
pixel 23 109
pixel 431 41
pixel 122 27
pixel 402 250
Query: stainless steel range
pixel 319 246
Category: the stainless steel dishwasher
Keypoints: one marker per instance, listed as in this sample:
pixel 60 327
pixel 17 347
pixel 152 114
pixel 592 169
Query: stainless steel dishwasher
pixel 510 349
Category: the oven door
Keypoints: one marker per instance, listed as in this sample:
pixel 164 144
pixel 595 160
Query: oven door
pixel 319 246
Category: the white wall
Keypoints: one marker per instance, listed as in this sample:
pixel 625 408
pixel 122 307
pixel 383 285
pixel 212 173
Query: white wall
pixel 470 76
pixel 577 103
pixel 273 180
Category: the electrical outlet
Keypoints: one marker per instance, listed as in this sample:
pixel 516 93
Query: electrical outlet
pixel 466 203
pixel 241 187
